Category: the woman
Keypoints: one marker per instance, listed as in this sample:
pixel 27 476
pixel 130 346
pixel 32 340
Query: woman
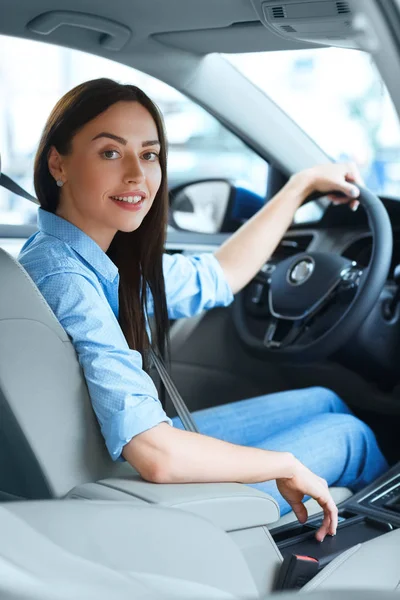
pixel 100 177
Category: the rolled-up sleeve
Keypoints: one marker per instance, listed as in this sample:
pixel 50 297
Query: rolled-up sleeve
pixel 123 395
pixel 193 284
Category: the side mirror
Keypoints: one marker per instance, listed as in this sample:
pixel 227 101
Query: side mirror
pixel 211 206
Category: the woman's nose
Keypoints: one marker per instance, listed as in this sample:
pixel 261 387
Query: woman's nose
pixel 134 170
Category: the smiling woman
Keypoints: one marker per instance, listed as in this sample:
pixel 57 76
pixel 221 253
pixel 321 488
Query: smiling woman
pixel 94 184
pixel 100 177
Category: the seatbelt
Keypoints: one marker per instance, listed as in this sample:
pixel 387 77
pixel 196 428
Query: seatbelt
pixel 12 186
pixel 176 399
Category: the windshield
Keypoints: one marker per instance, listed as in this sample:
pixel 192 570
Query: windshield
pixel 338 98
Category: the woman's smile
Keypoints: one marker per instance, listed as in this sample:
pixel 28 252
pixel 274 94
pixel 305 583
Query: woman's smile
pixel 132 203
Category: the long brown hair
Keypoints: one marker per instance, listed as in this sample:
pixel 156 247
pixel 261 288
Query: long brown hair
pixel 137 254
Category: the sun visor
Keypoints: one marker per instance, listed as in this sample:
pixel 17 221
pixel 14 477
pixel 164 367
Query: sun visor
pixel 326 22
pixel 236 37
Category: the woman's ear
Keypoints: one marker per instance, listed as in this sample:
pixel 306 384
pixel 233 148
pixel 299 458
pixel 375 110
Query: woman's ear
pixel 55 164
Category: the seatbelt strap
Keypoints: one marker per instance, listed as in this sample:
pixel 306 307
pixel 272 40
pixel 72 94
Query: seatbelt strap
pixel 12 186
pixel 176 399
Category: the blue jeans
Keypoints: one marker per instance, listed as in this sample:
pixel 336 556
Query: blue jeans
pixel 314 424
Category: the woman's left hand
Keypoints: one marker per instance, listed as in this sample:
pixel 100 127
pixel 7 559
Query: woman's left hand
pixel 340 177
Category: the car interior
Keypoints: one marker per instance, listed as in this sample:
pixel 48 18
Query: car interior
pixel 76 523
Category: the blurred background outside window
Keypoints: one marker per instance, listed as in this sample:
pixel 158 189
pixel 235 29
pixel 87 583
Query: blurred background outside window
pixel 337 97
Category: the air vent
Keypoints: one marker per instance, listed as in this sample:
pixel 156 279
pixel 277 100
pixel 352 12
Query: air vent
pixel 278 12
pixel 310 20
pixel 292 245
pixel 343 8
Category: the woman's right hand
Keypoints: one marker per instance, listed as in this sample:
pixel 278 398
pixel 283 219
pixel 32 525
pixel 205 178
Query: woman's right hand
pixel 302 483
pixel 340 177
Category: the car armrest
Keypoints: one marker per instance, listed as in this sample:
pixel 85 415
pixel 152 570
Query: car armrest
pixel 231 506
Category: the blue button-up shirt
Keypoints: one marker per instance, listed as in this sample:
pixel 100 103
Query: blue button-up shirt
pixel 80 284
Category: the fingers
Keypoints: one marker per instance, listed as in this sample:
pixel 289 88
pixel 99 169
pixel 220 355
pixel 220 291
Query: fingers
pixel 351 191
pixel 354 205
pixel 330 521
pixel 324 529
pixel 305 482
pixel 338 200
pixel 345 178
pixel 353 174
pixel 300 511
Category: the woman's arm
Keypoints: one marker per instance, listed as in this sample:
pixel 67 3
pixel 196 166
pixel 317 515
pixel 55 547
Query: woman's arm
pixel 242 256
pixel 164 454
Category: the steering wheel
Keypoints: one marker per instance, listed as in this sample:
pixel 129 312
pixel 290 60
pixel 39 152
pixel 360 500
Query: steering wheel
pixel 315 301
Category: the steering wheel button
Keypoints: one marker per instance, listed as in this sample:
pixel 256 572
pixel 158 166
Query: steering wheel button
pixel 268 268
pixel 258 290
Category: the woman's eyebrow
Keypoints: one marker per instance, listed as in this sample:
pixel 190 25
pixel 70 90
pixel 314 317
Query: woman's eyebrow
pixel 151 143
pixel 106 134
pixel 123 141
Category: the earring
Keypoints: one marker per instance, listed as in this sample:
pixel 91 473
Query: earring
pixel 60 182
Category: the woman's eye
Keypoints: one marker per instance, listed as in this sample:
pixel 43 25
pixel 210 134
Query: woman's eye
pixel 109 154
pixel 150 156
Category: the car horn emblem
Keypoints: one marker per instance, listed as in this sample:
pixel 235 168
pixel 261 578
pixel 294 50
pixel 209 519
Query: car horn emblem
pixel 301 271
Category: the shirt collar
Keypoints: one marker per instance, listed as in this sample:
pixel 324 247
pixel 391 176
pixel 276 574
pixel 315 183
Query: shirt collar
pixel 87 248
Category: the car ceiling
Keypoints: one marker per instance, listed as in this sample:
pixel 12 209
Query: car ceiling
pixel 154 24
pixel 186 25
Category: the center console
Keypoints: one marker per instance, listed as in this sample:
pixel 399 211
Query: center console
pixel 366 515
pixel 248 516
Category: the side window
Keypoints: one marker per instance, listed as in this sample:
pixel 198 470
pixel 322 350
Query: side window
pixel 199 146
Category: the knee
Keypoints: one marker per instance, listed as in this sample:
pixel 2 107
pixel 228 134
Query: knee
pixel 363 430
pixel 363 446
pixel 357 431
pixel 352 434
pixel 331 401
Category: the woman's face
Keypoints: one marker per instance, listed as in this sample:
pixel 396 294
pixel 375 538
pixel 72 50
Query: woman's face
pixel 116 155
